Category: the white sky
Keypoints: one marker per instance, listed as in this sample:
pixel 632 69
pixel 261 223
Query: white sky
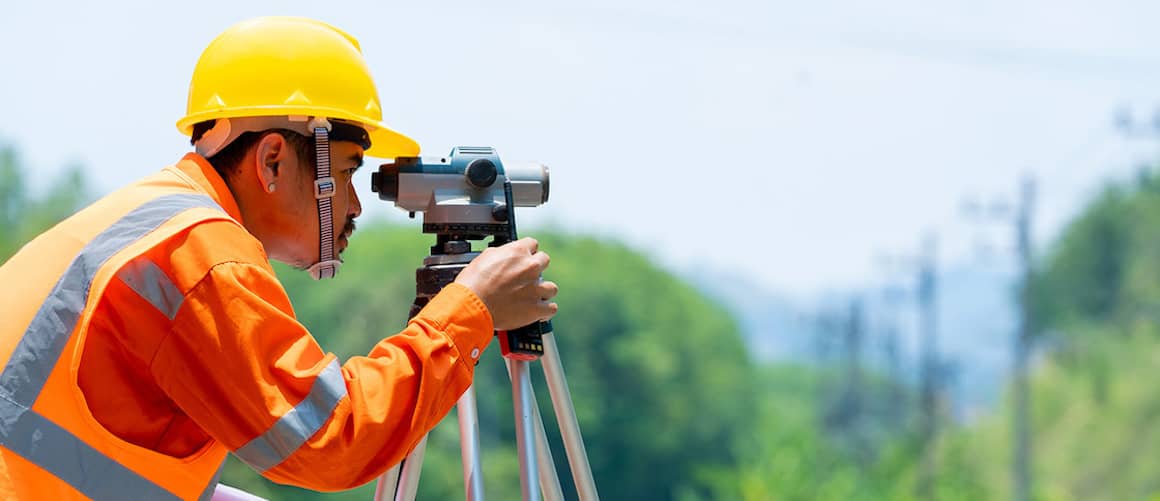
pixel 792 142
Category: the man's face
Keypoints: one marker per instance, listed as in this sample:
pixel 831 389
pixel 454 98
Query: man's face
pixel 345 159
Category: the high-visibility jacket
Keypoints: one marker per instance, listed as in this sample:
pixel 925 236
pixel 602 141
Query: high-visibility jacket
pixel 147 336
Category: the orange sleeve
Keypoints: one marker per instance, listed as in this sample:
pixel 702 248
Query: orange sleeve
pixel 240 365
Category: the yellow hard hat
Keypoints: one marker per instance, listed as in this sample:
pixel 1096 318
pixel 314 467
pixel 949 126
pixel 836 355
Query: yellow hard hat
pixel 290 66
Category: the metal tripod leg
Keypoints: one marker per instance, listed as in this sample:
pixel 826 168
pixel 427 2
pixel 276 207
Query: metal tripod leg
pixel 387 483
pixel 404 486
pixel 531 440
pixel 549 481
pixel 525 434
pixel 469 445
pixel 566 416
pixel 402 481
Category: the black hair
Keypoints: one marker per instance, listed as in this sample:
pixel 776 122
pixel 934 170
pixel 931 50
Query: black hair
pixel 227 160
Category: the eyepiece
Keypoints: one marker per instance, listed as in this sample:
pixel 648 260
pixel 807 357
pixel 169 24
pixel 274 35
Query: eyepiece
pixel 385 182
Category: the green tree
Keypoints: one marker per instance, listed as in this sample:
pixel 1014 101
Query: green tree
pixel 1097 299
pixel 24 214
pixel 659 375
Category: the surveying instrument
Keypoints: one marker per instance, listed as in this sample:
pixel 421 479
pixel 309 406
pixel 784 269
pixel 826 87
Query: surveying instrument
pixel 468 196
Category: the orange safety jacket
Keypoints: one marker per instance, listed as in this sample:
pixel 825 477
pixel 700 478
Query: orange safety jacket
pixel 147 336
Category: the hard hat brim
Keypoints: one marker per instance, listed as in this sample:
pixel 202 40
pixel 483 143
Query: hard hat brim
pixel 385 142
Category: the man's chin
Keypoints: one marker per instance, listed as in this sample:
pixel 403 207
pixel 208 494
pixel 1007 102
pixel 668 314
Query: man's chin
pixel 298 265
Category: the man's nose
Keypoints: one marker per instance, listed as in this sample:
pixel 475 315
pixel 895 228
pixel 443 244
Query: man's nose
pixel 355 205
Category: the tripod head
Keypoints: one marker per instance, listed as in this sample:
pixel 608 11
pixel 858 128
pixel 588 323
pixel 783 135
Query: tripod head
pixel 462 196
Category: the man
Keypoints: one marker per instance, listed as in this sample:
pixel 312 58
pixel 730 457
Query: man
pixel 147 336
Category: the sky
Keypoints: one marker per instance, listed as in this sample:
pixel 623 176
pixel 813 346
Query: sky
pixel 798 144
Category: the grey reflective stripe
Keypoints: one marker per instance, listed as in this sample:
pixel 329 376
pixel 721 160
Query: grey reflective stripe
pixel 299 424
pixel 39 349
pixel 33 436
pixel 61 453
pixel 147 279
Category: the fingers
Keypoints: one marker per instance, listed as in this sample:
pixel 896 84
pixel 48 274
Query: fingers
pixel 536 300
pixel 529 243
pixel 509 279
pixel 543 258
pixel 547 309
pixel 547 290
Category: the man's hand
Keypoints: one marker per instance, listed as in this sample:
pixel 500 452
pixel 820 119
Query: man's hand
pixel 507 279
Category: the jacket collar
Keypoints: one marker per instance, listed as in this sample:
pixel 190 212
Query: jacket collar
pixel 199 170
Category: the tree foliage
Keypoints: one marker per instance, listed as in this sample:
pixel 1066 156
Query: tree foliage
pixel 24 213
pixel 660 379
pixel 672 406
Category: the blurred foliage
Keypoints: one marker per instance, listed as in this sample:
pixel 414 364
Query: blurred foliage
pixel 24 213
pixel 659 376
pixel 672 407
pixel 1097 301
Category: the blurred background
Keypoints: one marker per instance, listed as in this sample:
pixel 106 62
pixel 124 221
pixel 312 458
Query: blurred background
pixel 823 250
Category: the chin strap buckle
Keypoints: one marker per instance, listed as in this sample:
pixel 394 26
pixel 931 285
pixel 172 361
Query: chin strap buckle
pixel 325 269
pixel 324 188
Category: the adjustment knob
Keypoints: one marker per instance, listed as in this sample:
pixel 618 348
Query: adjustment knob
pixel 481 173
pixel 500 213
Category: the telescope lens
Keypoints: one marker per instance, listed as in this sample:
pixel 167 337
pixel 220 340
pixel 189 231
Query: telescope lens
pixel 546 184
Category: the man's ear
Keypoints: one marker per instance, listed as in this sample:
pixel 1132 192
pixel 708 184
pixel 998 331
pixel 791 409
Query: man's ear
pixel 270 153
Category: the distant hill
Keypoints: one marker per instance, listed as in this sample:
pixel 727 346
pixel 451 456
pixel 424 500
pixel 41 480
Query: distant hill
pixel 775 327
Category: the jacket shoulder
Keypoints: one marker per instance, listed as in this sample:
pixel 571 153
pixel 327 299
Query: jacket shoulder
pixel 188 256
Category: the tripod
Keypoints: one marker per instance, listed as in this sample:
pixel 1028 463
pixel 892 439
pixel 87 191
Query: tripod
pixel 450 255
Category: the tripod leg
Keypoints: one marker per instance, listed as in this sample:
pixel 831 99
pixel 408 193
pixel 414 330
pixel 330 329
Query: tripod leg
pixel 401 483
pixel 469 445
pixel 525 437
pixel 549 482
pixel 388 483
pixel 566 416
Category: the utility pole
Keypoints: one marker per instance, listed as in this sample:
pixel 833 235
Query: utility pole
pixel 928 367
pixel 854 360
pixel 929 363
pixel 892 295
pixel 841 414
pixel 1023 345
pixel 892 358
pixel 1024 338
pixel 852 405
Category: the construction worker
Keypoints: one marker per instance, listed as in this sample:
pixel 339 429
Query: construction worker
pixel 147 336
